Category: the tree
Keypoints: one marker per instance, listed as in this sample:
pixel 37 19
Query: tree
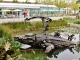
pixel 78 1
pixel 74 6
pixel 39 1
pixel 48 2
pixel 15 1
pixel 1 0
pixel 27 1
pixel 60 3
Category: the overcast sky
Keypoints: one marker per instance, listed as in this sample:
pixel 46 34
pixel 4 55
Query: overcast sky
pixel 20 0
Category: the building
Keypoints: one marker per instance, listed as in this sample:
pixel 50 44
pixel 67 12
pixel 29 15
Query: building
pixel 17 9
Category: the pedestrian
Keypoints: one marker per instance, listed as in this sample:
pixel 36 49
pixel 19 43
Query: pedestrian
pixel 25 14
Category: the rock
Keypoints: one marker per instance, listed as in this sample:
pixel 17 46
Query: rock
pixel 78 43
pixel 25 46
pixel 49 48
pixel 76 59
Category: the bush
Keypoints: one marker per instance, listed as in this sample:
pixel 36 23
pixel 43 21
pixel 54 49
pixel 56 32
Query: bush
pixel 2 41
pixel 76 21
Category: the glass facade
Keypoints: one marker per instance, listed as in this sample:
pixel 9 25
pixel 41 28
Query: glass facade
pixel 39 12
pixel 32 9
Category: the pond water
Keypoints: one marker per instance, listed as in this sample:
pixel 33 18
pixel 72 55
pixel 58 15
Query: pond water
pixel 64 54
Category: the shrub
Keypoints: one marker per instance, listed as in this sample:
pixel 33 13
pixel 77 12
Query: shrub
pixel 2 41
pixel 76 21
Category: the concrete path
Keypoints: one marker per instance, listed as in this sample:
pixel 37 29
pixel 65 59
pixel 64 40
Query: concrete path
pixel 22 19
pixel 11 20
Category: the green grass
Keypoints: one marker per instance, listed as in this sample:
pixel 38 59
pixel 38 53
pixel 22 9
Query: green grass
pixel 34 54
pixel 30 54
pixel 10 29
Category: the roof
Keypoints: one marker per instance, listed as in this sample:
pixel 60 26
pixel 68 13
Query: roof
pixel 18 5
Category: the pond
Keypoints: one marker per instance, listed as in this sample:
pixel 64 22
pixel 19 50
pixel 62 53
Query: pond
pixel 64 54
pixel 61 53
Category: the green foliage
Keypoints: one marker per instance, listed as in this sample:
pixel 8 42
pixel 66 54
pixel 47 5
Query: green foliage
pixel 37 24
pixel 5 32
pixel 15 1
pixel 60 3
pixel 76 21
pixel 37 2
pixel 27 55
pixel 1 0
pixel 34 25
pixel 24 26
pixel 16 44
pixel 77 48
pixel 74 6
pixel 2 41
pixel 7 35
pixel 67 18
pixel 48 2
pixel 18 57
pixel 17 25
pixel 78 1
pixel 1 32
pixel 34 55
pixel 58 23
pixel 8 30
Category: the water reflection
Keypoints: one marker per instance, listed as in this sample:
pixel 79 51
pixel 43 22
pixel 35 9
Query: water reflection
pixel 77 48
pixel 64 54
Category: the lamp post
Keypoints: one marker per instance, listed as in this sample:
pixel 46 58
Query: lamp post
pixel 79 9
pixel 68 7
pixel 47 10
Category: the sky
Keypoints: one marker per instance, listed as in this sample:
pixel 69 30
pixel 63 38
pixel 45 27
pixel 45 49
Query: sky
pixel 21 0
